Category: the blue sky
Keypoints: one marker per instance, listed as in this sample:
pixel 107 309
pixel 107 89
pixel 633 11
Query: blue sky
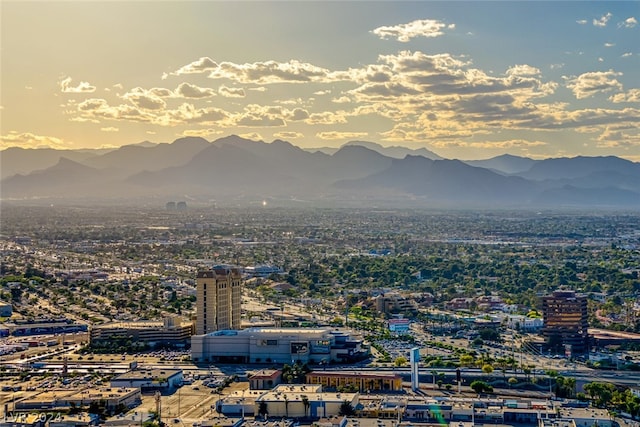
pixel 464 79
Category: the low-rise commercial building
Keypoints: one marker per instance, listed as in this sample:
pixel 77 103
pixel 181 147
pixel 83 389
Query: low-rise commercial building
pixel 360 381
pixel 303 400
pixel 276 345
pixel 150 379
pixel 265 379
pixel 111 398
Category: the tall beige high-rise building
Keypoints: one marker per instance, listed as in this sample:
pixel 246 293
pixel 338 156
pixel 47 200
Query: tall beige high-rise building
pixel 219 299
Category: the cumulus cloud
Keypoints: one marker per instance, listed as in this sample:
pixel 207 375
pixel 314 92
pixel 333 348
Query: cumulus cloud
pixel 187 90
pixel 270 72
pixel 628 23
pixel 582 21
pixel 523 70
pixel 632 95
pixel 419 28
pixel 30 140
pixel 603 20
pixel 110 129
pixel 260 116
pixel 82 87
pixel 231 92
pixel 341 100
pixel 188 113
pixel 327 118
pixel 588 84
pixel 626 55
pixel 266 72
pixel 201 65
pixel 609 44
pixel 144 99
pixel 288 135
pixel 616 136
pixel 341 135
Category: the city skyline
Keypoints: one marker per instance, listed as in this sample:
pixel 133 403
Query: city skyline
pixel 463 79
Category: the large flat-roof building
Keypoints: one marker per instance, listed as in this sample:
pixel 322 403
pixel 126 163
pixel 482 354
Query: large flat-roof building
pixel 149 379
pixel 218 299
pixel 565 321
pixel 275 345
pixel 172 331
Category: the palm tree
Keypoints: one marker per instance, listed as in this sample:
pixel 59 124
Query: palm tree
pixel 263 409
pixel 286 406
pixel 305 402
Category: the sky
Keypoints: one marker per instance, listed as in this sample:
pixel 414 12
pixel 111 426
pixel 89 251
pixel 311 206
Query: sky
pixel 467 80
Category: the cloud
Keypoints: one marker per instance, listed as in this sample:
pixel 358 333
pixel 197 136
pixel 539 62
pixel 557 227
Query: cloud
pixel 628 23
pixel 615 136
pixel 187 90
pixel 30 140
pixel 506 144
pixel 419 28
pixel 146 99
pixel 270 72
pixel 231 92
pixel 96 108
pixel 582 21
pixel 602 22
pixel 626 55
pixel 522 70
pixel 341 135
pixel 609 44
pixel 297 114
pixel 327 118
pixel 267 72
pixel 588 84
pixel 288 135
pixel 260 116
pixel 110 129
pixel 203 133
pixel 188 113
pixel 82 87
pixel 341 100
pixel 253 136
pixel 632 95
pixel 322 92
pixel 201 65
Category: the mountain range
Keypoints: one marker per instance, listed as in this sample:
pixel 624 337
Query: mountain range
pixel 360 173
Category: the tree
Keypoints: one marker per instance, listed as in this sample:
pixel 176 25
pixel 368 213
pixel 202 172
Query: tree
pixel 487 369
pixel 466 360
pixel 400 361
pixel 346 409
pixel 305 402
pixel 263 409
pixel 512 381
pixel 480 387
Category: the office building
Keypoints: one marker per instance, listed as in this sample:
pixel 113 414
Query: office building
pixel 219 298
pixel 565 321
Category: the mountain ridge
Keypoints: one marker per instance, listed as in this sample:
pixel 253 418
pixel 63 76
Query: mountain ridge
pixel 235 168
